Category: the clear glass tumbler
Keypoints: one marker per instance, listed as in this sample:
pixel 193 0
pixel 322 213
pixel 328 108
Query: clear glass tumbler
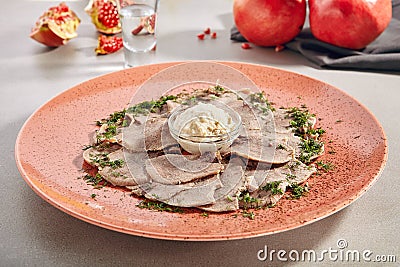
pixel 138 20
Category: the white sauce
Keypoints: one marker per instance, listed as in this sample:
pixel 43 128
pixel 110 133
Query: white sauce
pixel 204 120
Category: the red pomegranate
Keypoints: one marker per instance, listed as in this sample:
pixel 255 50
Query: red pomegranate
pixel 56 26
pixel 269 22
pixel 105 15
pixel 349 23
pixel 108 44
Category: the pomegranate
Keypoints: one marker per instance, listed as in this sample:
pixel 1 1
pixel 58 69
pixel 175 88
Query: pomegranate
pixel 108 44
pixel 105 15
pixel 269 22
pixel 56 26
pixel 349 23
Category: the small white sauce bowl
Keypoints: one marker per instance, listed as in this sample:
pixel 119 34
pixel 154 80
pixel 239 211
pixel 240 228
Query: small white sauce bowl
pixel 203 144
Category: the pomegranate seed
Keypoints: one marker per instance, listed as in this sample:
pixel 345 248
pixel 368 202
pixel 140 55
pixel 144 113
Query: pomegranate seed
pixel 201 36
pixel 279 48
pixel 214 35
pixel 246 46
pixel 108 44
pixel 207 31
pixel 108 14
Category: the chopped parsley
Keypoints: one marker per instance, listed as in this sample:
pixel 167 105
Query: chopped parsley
pixel 314 132
pixel 290 176
pixel 300 118
pixel 309 149
pixel 93 180
pixel 103 160
pixel 158 206
pixel 142 108
pixel 246 198
pixel 248 214
pixel 297 191
pixel 219 88
pixel 110 132
pixel 115 119
pixel 326 166
pixel 229 198
pixel 273 187
pixel 204 214
pixel 152 106
pixel 280 146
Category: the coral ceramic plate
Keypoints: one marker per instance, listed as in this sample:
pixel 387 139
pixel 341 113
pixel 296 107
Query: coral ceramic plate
pixel 49 157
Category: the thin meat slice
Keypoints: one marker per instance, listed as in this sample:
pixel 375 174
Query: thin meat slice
pixel 278 178
pixel 147 133
pixel 118 175
pixel 233 181
pixel 183 195
pixel 261 148
pixel 282 121
pixel 93 154
pixel 177 169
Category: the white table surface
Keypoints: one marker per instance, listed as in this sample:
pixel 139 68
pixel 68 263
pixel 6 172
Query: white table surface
pixel 34 233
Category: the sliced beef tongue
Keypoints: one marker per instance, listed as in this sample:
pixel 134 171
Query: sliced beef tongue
pixel 183 195
pixel 92 154
pixel 262 197
pixel 261 148
pixel 279 178
pixel 282 121
pixel 181 180
pixel 148 133
pixel 119 175
pixel 201 193
pixel 233 182
pixel 176 169
pixel 265 197
pixel 299 172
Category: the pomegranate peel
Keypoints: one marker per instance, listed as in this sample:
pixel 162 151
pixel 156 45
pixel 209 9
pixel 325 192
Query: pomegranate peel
pixel 56 26
pixel 269 22
pixel 351 24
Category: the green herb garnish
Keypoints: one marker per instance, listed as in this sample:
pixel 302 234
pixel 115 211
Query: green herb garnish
pixel 204 214
pixel 103 160
pixel 300 118
pixel 280 146
pixel 116 119
pixel 309 148
pixel 317 131
pixel 93 180
pixel 152 106
pixel 273 187
pixel 248 214
pixel 219 88
pixel 246 198
pixel 326 166
pixel 297 191
pixel 158 206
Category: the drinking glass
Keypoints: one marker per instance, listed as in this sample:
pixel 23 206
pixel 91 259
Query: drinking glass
pixel 138 20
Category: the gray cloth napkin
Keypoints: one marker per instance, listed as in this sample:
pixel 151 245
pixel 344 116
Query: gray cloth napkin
pixel 382 54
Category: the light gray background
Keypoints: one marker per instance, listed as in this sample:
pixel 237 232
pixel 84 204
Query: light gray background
pixel 34 233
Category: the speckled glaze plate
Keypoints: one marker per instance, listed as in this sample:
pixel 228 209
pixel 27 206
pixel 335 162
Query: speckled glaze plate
pixel 49 156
